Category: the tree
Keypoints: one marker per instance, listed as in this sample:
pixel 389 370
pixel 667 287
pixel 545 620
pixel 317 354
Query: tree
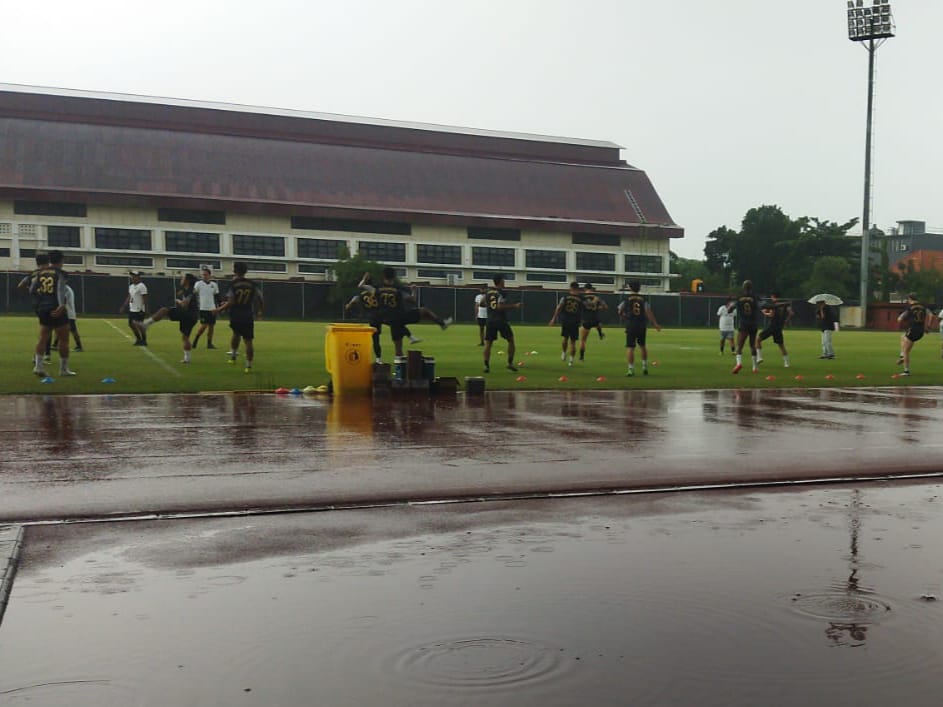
pixel 720 241
pixel 926 284
pixel 689 269
pixel 816 240
pixel 832 274
pixel 347 272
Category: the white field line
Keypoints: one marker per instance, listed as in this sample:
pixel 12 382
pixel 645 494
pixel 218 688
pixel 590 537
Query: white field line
pixel 163 364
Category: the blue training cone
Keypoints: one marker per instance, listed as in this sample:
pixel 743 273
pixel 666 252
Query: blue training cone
pixel 47 379
pixel 108 380
pixel 296 391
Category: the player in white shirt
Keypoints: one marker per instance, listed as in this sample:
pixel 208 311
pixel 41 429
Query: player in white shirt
pixel 481 312
pixel 725 319
pixel 207 292
pixel 136 304
pixel 70 313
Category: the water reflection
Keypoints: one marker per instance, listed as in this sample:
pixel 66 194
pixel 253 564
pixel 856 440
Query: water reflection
pixel 852 634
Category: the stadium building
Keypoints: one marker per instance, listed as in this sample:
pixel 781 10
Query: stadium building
pixel 126 182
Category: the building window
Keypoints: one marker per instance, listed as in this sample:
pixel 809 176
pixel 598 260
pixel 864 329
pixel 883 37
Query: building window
pixel 644 281
pixel 493 257
pixel 596 261
pixel 550 259
pixel 27 252
pixel 597 279
pixel 643 263
pixel 192 264
pixel 266 266
pixel 439 274
pixel 489 276
pixel 494 234
pixel 382 252
pixel 310 269
pixel 125 260
pixel 319 248
pixel 313 223
pixel 63 237
pixel 597 239
pixel 192 216
pixel 259 245
pixel 49 208
pixel 546 277
pixel 191 242
pixel 73 260
pixel 4 252
pixel 447 254
pixel 122 239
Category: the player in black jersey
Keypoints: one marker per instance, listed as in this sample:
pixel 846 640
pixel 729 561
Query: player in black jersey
pixel 369 304
pixel 42 261
pixel 498 308
pixel 568 313
pixel 48 289
pixel 780 314
pixel 397 308
pixel 185 311
pixel 637 314
pixel 918 318
pixel 747 307
pixel 245 304
pixel 592 306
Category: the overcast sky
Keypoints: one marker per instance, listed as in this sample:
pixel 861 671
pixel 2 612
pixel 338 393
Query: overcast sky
pixel 727 104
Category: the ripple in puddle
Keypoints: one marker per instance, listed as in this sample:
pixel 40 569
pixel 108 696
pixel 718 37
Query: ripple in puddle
pixel 842 607
pixel 480 662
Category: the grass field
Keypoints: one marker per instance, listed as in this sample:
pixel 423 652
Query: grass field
pixel 291 354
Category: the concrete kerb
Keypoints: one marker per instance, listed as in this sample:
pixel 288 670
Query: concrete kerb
pixel 11 540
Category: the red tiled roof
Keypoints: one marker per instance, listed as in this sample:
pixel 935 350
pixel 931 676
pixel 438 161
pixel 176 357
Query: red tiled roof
pixel 83 152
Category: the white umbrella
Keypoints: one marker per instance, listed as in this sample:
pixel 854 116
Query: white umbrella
pixel 833 300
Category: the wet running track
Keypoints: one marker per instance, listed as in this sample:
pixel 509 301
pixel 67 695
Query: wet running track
pixel 88 457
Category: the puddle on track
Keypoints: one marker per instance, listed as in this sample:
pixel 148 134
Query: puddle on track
pixel 820 596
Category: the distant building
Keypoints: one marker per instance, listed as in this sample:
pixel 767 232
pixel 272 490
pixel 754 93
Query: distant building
pixel 910 238
pixel 121 182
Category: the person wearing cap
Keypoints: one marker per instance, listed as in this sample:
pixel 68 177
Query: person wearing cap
pixel 136 304
pixel 207 292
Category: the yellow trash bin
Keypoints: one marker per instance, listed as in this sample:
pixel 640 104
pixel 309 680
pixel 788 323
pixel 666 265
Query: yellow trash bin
pixel 348 356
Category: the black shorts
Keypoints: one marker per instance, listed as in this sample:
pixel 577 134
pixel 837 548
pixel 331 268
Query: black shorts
pixel 570 331
pixel 207 317
pixel 135 317
pixel 482 321
pixel 635 335
pixel 47 320
pixel 914 335
pixel 495 328
pixel 184 319
pixel 245 329
pixel 749 330
pixel 590 325
pixel 376 324
pixel 776 333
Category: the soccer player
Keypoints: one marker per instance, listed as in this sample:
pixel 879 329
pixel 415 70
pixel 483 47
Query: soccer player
pixel 637 314
pixel 747 307
pixel 136 304
pixel 725 322
pixel 568 312
pixel 828 325
pixel 70 312
pixel 393 300
pixel 481 312
pixel 245 304
pixel 780 314
pixel 592 306
pixel 42 261
pixel 185 312
pixel 498 308
pixel 48 287
pixel 207 293
pixel 916 317
pixel 370 308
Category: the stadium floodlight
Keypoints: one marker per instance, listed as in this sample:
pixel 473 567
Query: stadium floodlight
pixel 871 26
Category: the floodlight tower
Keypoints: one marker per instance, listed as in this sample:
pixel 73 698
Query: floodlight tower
pixel 871 26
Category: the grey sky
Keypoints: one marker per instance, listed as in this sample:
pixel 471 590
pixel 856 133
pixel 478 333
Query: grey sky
pixel 727 104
